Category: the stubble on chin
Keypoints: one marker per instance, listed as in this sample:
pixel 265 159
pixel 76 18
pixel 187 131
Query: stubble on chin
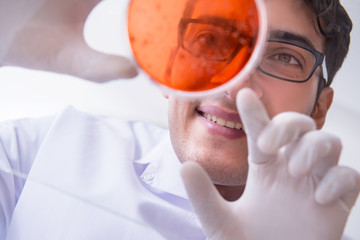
pixel 223 173
pixel 222 167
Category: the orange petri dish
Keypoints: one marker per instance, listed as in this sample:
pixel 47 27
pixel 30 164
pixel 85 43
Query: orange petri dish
pixel 196 48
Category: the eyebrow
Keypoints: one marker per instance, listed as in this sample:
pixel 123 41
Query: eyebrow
pixel 285 35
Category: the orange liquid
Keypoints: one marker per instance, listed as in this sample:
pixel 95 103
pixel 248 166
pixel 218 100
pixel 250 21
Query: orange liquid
pixel 200 55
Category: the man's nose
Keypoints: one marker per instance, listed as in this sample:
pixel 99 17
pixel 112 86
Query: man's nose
pixel 252 81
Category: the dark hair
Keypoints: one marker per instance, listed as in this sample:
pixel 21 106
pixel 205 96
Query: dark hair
pixel 335 25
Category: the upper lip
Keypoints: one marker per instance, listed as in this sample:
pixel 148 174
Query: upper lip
pixel 220 112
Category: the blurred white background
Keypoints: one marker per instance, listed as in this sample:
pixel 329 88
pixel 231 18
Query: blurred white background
pixel 26 93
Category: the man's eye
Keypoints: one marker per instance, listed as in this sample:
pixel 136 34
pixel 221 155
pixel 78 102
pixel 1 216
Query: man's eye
pixel 286 58
pixel 206 39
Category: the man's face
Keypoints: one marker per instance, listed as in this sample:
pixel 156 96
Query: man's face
pixel 214 42
pixel 222 151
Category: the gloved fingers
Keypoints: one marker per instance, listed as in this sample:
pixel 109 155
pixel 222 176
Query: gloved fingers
pixel 315 152
pixel 340 183
pixel 209 206
pixel 85 7
pixel 81 61
pixel 65 11
pixel 252 112
pixel 48 35
pixel 283 129
pixel 254 118
pixel 77 58
pixel 13 16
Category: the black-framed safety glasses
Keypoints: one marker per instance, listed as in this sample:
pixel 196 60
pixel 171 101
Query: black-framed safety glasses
pixel 218 40
pixel 291 61
pixel 213 39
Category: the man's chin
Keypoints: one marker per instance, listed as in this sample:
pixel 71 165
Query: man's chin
pixel 226 174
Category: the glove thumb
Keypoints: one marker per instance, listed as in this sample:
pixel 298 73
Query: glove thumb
pixel 255 118
pixel 211 209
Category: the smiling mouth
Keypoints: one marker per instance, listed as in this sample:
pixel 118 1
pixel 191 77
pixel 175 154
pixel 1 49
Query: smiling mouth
pixel 221 122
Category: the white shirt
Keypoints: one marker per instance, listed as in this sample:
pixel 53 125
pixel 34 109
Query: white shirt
pixel 92 178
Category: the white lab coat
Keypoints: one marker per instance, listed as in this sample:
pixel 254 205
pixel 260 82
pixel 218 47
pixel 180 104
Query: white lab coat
pixel 92 178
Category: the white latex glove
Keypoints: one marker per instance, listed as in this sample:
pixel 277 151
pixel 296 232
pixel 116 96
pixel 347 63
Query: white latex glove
pixel 48 35
pixel 295 189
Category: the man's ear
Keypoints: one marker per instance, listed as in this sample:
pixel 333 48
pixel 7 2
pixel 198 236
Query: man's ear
pixel 322 106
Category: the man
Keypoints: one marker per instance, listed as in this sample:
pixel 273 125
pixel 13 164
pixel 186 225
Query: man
pixel 294 188
pixel 192 140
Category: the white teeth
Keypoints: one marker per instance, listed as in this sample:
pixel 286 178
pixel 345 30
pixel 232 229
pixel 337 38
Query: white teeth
pixel 213 118
pixel 222 122
pixel 230 124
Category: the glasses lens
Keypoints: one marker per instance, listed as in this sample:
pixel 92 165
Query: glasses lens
pixel 212 41
pixel 192 45
pixel 287 61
